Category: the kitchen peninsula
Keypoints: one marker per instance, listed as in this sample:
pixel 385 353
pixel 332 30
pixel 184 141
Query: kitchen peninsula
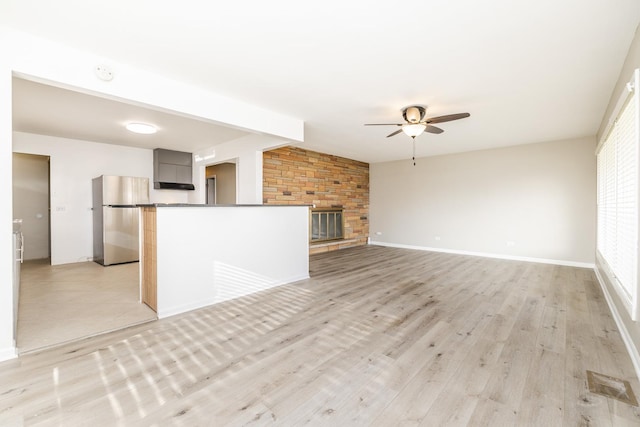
pixel 197 255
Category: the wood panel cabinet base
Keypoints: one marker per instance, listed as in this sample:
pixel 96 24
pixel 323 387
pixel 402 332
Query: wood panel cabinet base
pixel 149 286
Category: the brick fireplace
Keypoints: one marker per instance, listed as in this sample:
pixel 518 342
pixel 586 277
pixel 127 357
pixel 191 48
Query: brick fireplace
pixel 293 175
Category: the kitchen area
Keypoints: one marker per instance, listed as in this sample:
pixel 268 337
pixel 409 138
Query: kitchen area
pixel 59 293
pixel 68 105
pixel 82 137
pixel 65 295
pixel 202 255
pixel 56 303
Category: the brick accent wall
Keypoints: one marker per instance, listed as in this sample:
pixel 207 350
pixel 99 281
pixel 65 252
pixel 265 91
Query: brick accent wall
pixel 292 175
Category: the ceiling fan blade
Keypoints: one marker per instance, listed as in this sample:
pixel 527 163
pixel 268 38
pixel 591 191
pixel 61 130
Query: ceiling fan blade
pixel 383 124
pixel 394 133
pixel 433 129
pixel 447 118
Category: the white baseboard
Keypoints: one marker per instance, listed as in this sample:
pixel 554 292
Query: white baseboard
pixel 172 311
pixel 488 255
pixel 7 354
pixel 624 333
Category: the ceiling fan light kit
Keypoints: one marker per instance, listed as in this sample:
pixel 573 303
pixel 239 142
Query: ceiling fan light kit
pixel 413 129
pixel 416 124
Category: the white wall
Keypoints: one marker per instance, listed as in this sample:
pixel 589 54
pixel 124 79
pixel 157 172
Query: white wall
pixel 207 255
pixel 31 202
pixel 532 201
pixel 247 153
pixel 7 344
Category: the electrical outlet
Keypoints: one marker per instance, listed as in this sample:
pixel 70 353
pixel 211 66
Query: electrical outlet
pixel 511 243
pixel 378 233
pixel 437 238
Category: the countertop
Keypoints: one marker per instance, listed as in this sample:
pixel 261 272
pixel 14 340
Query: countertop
pixel 199 205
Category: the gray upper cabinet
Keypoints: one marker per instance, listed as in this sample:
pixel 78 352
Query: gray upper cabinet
pixel 174 173
pixel 184 174
pixel 172 170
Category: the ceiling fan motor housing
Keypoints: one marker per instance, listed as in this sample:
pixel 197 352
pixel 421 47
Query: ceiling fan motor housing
pixel 414 113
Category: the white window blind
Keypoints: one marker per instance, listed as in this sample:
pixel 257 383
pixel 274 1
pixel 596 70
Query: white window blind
pixel 617 169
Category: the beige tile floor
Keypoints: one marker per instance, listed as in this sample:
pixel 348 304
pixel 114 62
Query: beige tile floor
pixel 66 302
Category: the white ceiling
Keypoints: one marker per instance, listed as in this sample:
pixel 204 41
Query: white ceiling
pixel 49 110
pixel 526 71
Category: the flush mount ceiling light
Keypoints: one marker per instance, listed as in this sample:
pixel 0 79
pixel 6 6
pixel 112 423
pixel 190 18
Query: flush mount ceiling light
pixel 142 128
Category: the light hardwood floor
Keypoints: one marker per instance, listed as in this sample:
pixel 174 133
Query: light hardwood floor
pixel 377 336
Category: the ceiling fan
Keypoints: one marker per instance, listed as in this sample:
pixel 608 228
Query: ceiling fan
pixel 416 123
pixel 414 116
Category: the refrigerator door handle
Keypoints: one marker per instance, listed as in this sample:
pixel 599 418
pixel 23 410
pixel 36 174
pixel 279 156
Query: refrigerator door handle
pixel 21 249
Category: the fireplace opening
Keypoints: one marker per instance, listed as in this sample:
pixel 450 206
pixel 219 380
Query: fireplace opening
pixel 326 224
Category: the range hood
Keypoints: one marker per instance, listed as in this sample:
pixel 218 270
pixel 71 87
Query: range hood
pixel 172 170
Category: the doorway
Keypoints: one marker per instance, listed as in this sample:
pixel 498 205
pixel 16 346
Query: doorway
pixel 224 180
pixel 211 190
pixel 31 188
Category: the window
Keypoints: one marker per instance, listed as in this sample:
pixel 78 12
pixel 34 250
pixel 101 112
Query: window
pixel 617 169
pixel 326 224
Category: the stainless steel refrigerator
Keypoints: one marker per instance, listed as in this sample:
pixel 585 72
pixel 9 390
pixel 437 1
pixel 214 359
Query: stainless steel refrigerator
pixel 116 226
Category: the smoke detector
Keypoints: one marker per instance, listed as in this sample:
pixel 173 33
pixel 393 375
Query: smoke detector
pixel 104 72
